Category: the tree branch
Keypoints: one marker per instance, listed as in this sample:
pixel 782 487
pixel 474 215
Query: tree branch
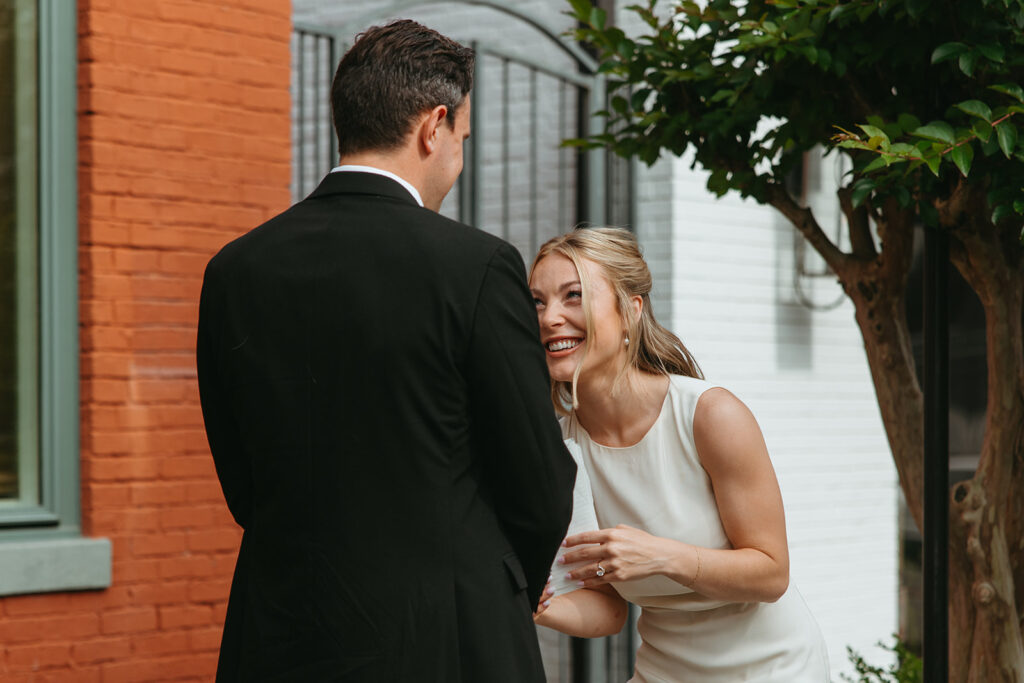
pixel 896 230
pixel 861 241
pixel 803 219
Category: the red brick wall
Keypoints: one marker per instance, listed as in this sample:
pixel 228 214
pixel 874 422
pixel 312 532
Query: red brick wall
pixel 183 144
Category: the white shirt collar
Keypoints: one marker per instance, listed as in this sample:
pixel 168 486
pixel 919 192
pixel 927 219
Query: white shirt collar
pixel 379 171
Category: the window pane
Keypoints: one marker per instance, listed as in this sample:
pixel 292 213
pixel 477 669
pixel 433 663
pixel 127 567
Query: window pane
pixel 19 372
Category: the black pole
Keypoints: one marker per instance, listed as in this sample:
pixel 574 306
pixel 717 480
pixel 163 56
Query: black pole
pixel 936 457
pixel 580 649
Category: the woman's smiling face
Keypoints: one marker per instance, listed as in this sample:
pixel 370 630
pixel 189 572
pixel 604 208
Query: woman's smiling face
pixel 558 294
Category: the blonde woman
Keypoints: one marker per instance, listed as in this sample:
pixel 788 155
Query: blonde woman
pixel 692 525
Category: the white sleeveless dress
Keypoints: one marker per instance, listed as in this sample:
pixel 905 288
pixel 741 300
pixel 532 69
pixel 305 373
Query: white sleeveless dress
pixel 659 485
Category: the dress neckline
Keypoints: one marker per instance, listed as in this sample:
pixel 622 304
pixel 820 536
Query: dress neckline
pixel 650 430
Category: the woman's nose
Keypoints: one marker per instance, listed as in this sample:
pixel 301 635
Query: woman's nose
pixel 551 317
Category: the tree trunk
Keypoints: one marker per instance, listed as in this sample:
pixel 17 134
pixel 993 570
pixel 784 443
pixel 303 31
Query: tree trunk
pixel 986 513
pixel 877 288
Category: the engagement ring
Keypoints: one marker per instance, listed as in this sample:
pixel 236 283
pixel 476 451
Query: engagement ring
pixel 600 570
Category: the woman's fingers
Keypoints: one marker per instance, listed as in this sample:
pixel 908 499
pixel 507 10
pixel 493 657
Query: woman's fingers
pixel 582 555
pixel 619 533
pixel 595 575
pixel 545 599
pixel 602 536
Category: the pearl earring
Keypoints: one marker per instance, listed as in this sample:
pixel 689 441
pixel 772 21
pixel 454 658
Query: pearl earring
pixel 627 340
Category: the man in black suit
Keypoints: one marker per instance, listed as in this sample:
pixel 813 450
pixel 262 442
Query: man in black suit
pixel 377 405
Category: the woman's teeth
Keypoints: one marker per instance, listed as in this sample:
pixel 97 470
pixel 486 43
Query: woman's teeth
pixel 563 344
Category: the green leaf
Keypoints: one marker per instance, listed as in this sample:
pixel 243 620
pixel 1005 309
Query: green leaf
pixel 718 182
pixel 576 142
pixel 619 104
pixel 879 162
pixel 853 144
pixel 581 8
pixel 993 53
pixel 824 59
pixel 962 156
pixel 976 108
pixel 983 129
pixel 940 131
pixel 873 132
pixel 903 195
pixel 933 159
pixel 902 149
pixel 861 190
pixel 893 130
pixel 597 18
pixel 908 121
pixel 990 146
pixel 1001 212
pixel 947 51
pixel 967 61
pixel 837 11
pixel 1007 133
pixel 1011 89
pixel 639 98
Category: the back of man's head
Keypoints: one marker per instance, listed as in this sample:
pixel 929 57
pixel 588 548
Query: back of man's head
pixel 390 76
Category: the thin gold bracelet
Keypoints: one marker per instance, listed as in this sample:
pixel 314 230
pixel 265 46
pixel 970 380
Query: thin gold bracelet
pixel 696 574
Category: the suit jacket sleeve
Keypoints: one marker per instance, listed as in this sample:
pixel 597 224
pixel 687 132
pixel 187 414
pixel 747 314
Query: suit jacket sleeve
pixel 221 429
pixel 528 470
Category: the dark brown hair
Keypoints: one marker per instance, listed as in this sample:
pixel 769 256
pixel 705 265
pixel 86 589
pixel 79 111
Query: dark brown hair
pixel 391 75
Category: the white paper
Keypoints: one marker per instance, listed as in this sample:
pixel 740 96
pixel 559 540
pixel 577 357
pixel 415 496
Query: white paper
pixel 583 519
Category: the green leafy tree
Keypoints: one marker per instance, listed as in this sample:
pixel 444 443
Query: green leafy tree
pixel 925 99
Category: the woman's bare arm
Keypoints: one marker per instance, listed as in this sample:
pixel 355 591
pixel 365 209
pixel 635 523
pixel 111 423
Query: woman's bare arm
pixel 585 613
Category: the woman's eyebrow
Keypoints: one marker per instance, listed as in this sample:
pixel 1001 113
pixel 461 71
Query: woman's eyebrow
pixel 564 286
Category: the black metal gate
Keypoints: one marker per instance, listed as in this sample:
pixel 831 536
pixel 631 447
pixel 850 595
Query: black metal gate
pixel 518 182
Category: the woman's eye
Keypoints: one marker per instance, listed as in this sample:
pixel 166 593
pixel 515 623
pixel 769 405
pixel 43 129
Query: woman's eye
pixel 537 302
pixel 574 294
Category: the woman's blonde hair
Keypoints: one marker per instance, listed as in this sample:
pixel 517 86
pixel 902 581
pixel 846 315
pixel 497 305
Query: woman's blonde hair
pixel 651 347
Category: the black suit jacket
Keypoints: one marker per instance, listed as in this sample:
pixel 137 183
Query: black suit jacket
pixel 377 406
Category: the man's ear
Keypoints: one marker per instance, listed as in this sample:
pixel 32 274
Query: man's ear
pixel 429 124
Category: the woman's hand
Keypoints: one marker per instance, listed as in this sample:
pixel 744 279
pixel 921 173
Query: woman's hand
pixel 545 599
pixel 621 554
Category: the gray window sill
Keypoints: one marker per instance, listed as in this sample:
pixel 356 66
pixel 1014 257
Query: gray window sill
pixel 46 565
